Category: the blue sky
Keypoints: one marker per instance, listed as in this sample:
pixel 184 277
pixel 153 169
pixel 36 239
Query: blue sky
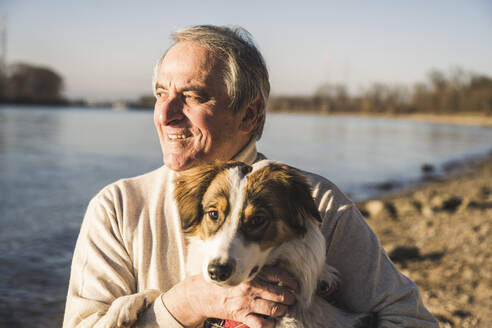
pixel 106 49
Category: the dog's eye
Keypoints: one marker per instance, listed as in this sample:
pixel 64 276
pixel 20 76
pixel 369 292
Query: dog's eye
pixel 256 221
pixel 213 215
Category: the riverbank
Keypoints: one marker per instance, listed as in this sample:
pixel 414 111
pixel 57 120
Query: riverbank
pixel 477 120
pixel 439 236
pixel 456 119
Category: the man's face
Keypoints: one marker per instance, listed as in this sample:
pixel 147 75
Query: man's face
pixel 192 114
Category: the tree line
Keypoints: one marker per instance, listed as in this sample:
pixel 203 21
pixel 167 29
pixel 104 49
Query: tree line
pixel 30 84
pixel 455 92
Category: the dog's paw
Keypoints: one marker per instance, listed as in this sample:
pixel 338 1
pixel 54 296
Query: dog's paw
pixel 125 310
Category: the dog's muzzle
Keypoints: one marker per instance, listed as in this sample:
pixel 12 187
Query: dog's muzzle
pixel 220 271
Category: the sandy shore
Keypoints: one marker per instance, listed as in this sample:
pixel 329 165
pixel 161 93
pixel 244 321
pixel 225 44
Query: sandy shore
pixel 440 236
pixel 477 120
pixel 458 119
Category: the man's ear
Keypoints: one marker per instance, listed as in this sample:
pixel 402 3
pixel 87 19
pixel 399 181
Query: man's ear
pixel 251 115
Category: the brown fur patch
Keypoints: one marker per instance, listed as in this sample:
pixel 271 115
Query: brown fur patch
pixel 216 198
pixel 190 187
pixel 281 194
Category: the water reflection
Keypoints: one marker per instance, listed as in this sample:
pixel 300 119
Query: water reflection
pixel 51 163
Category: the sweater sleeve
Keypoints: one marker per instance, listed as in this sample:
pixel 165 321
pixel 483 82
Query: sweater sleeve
pixel 369 280
pixel 102 270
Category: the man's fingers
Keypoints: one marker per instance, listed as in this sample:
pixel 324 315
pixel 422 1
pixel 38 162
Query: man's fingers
pixel 274 293
pixel 256 321
pixel 268 308
pixel 280 277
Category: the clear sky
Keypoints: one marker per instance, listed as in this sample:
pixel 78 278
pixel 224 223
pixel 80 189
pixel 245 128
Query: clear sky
pixel 106 49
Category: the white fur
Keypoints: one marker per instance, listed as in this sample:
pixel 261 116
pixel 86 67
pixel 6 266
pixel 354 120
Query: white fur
pixel 305 259
pixel 263 163
pixel 124 311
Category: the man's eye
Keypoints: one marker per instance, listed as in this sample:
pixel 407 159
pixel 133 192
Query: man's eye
pixel 213 215
pixel 194 99
pixel 161 94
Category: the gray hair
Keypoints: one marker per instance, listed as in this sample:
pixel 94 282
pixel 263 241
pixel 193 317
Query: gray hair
pixel 246 75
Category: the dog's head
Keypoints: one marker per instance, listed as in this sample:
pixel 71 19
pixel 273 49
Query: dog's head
pixel 241 213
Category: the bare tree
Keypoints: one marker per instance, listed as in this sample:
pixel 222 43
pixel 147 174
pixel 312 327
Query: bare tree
pixel 32 84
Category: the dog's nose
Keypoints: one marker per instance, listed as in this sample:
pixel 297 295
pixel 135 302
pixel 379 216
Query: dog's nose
pixel 220 271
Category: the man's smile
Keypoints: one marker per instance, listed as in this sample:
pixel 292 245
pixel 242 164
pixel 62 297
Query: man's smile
pixel 176 136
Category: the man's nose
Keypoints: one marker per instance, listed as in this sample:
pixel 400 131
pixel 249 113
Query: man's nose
pixel 170 110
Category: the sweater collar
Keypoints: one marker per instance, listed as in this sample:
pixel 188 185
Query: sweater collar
pixel 248 154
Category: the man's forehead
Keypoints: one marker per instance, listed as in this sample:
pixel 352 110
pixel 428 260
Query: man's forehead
pixel 191 63
pixel 189 52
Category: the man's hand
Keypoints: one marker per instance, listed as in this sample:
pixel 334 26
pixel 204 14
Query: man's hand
pixel 254 303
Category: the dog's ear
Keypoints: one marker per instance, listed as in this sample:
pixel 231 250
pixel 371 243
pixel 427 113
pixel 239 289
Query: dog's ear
pixel 297 195
pixel 190 186
pixel 301 203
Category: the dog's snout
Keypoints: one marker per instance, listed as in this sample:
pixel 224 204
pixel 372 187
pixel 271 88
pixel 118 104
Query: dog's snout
pixel 220 271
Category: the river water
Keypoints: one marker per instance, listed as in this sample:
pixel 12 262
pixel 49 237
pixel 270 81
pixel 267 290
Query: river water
pixel 53 160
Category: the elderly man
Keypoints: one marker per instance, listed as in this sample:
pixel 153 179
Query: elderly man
pixel 211 88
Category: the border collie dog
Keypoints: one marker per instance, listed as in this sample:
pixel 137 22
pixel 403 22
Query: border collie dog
pixel 236 218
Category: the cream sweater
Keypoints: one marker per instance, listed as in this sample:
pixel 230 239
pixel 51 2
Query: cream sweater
pixel 130 241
